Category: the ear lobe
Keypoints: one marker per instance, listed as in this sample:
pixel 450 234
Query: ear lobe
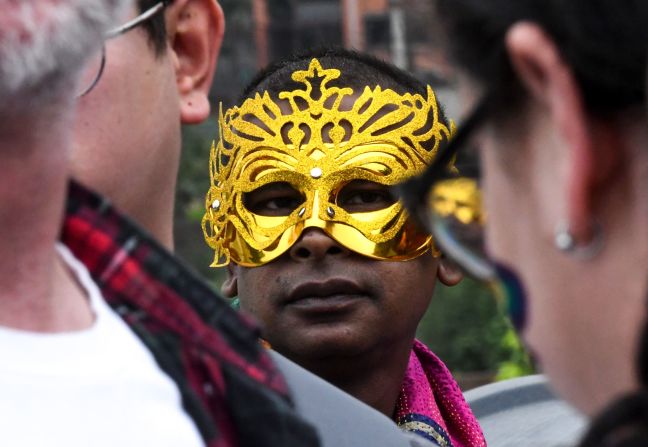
pixel 230 286
pixel 448 273
pixel 196 29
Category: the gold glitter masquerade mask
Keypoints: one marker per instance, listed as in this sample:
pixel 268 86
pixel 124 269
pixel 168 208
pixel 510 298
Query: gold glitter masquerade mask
pixel 311 161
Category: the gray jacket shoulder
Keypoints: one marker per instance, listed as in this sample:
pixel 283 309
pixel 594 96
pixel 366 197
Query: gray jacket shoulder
pixel 525 412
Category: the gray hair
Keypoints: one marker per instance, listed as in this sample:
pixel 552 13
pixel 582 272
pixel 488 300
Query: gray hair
pixel 44 44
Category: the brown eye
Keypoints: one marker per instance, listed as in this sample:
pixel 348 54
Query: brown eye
pixel 273 199
pixel 361 196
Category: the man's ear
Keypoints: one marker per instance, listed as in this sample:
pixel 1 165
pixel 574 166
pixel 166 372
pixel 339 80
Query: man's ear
pixel 230 286
pixel 550 82
pixel 448 273
pixel 195 30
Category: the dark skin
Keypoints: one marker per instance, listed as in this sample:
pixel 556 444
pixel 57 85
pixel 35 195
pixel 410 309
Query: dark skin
pixel 345 317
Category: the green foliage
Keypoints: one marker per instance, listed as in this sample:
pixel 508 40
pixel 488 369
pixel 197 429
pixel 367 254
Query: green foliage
pixel 519 364
pixel 193 183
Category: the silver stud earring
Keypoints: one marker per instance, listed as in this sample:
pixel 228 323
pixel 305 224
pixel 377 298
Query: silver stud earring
pixel 566 242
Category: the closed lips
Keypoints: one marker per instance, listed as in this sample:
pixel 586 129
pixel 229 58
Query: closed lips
pixel 324 289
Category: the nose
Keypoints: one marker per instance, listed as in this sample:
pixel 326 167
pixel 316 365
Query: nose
pixel 314 245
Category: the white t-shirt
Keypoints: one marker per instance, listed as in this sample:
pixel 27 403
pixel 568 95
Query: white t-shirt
pixel 95 387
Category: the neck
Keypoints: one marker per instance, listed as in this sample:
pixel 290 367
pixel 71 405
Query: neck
pixel 374 377
pixel 145 193
pixel 156 215
pixel 36 291
pixel 40 295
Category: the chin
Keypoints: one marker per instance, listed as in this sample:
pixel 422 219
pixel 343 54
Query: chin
pixel 322 344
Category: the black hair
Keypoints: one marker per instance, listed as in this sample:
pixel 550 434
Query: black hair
pixel 155 27
pixel 357 71
pixel 624 423
pixel 603 41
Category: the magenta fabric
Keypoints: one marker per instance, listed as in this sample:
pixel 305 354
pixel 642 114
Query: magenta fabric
pixel 432 405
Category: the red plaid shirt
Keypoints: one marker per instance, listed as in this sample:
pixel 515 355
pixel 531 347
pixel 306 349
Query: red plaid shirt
pixel 228 384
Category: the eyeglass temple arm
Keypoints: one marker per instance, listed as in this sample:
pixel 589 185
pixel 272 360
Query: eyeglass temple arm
pixel 126 27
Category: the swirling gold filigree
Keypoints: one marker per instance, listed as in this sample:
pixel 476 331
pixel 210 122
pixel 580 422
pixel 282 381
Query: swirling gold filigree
pixel 312 139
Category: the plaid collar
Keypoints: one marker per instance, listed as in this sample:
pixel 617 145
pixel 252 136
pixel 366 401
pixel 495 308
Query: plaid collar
pixel 209 350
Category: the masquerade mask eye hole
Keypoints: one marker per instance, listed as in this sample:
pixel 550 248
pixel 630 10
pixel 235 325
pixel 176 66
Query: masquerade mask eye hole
pixel 273 199
pixel 362 196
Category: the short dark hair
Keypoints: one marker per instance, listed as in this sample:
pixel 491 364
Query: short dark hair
pixel 603 41
pixel 155 27
pixel 357 71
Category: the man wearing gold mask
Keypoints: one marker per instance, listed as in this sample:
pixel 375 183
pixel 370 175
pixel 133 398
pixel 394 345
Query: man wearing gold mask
pixel 317 249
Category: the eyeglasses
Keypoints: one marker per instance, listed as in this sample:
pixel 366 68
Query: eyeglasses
pixel 96 66
pixel 449 205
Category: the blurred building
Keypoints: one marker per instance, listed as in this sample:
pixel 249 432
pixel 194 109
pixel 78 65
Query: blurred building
pixel 396 30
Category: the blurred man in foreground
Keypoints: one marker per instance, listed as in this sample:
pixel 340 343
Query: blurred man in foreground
pixel 71 370
pixel 119 358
